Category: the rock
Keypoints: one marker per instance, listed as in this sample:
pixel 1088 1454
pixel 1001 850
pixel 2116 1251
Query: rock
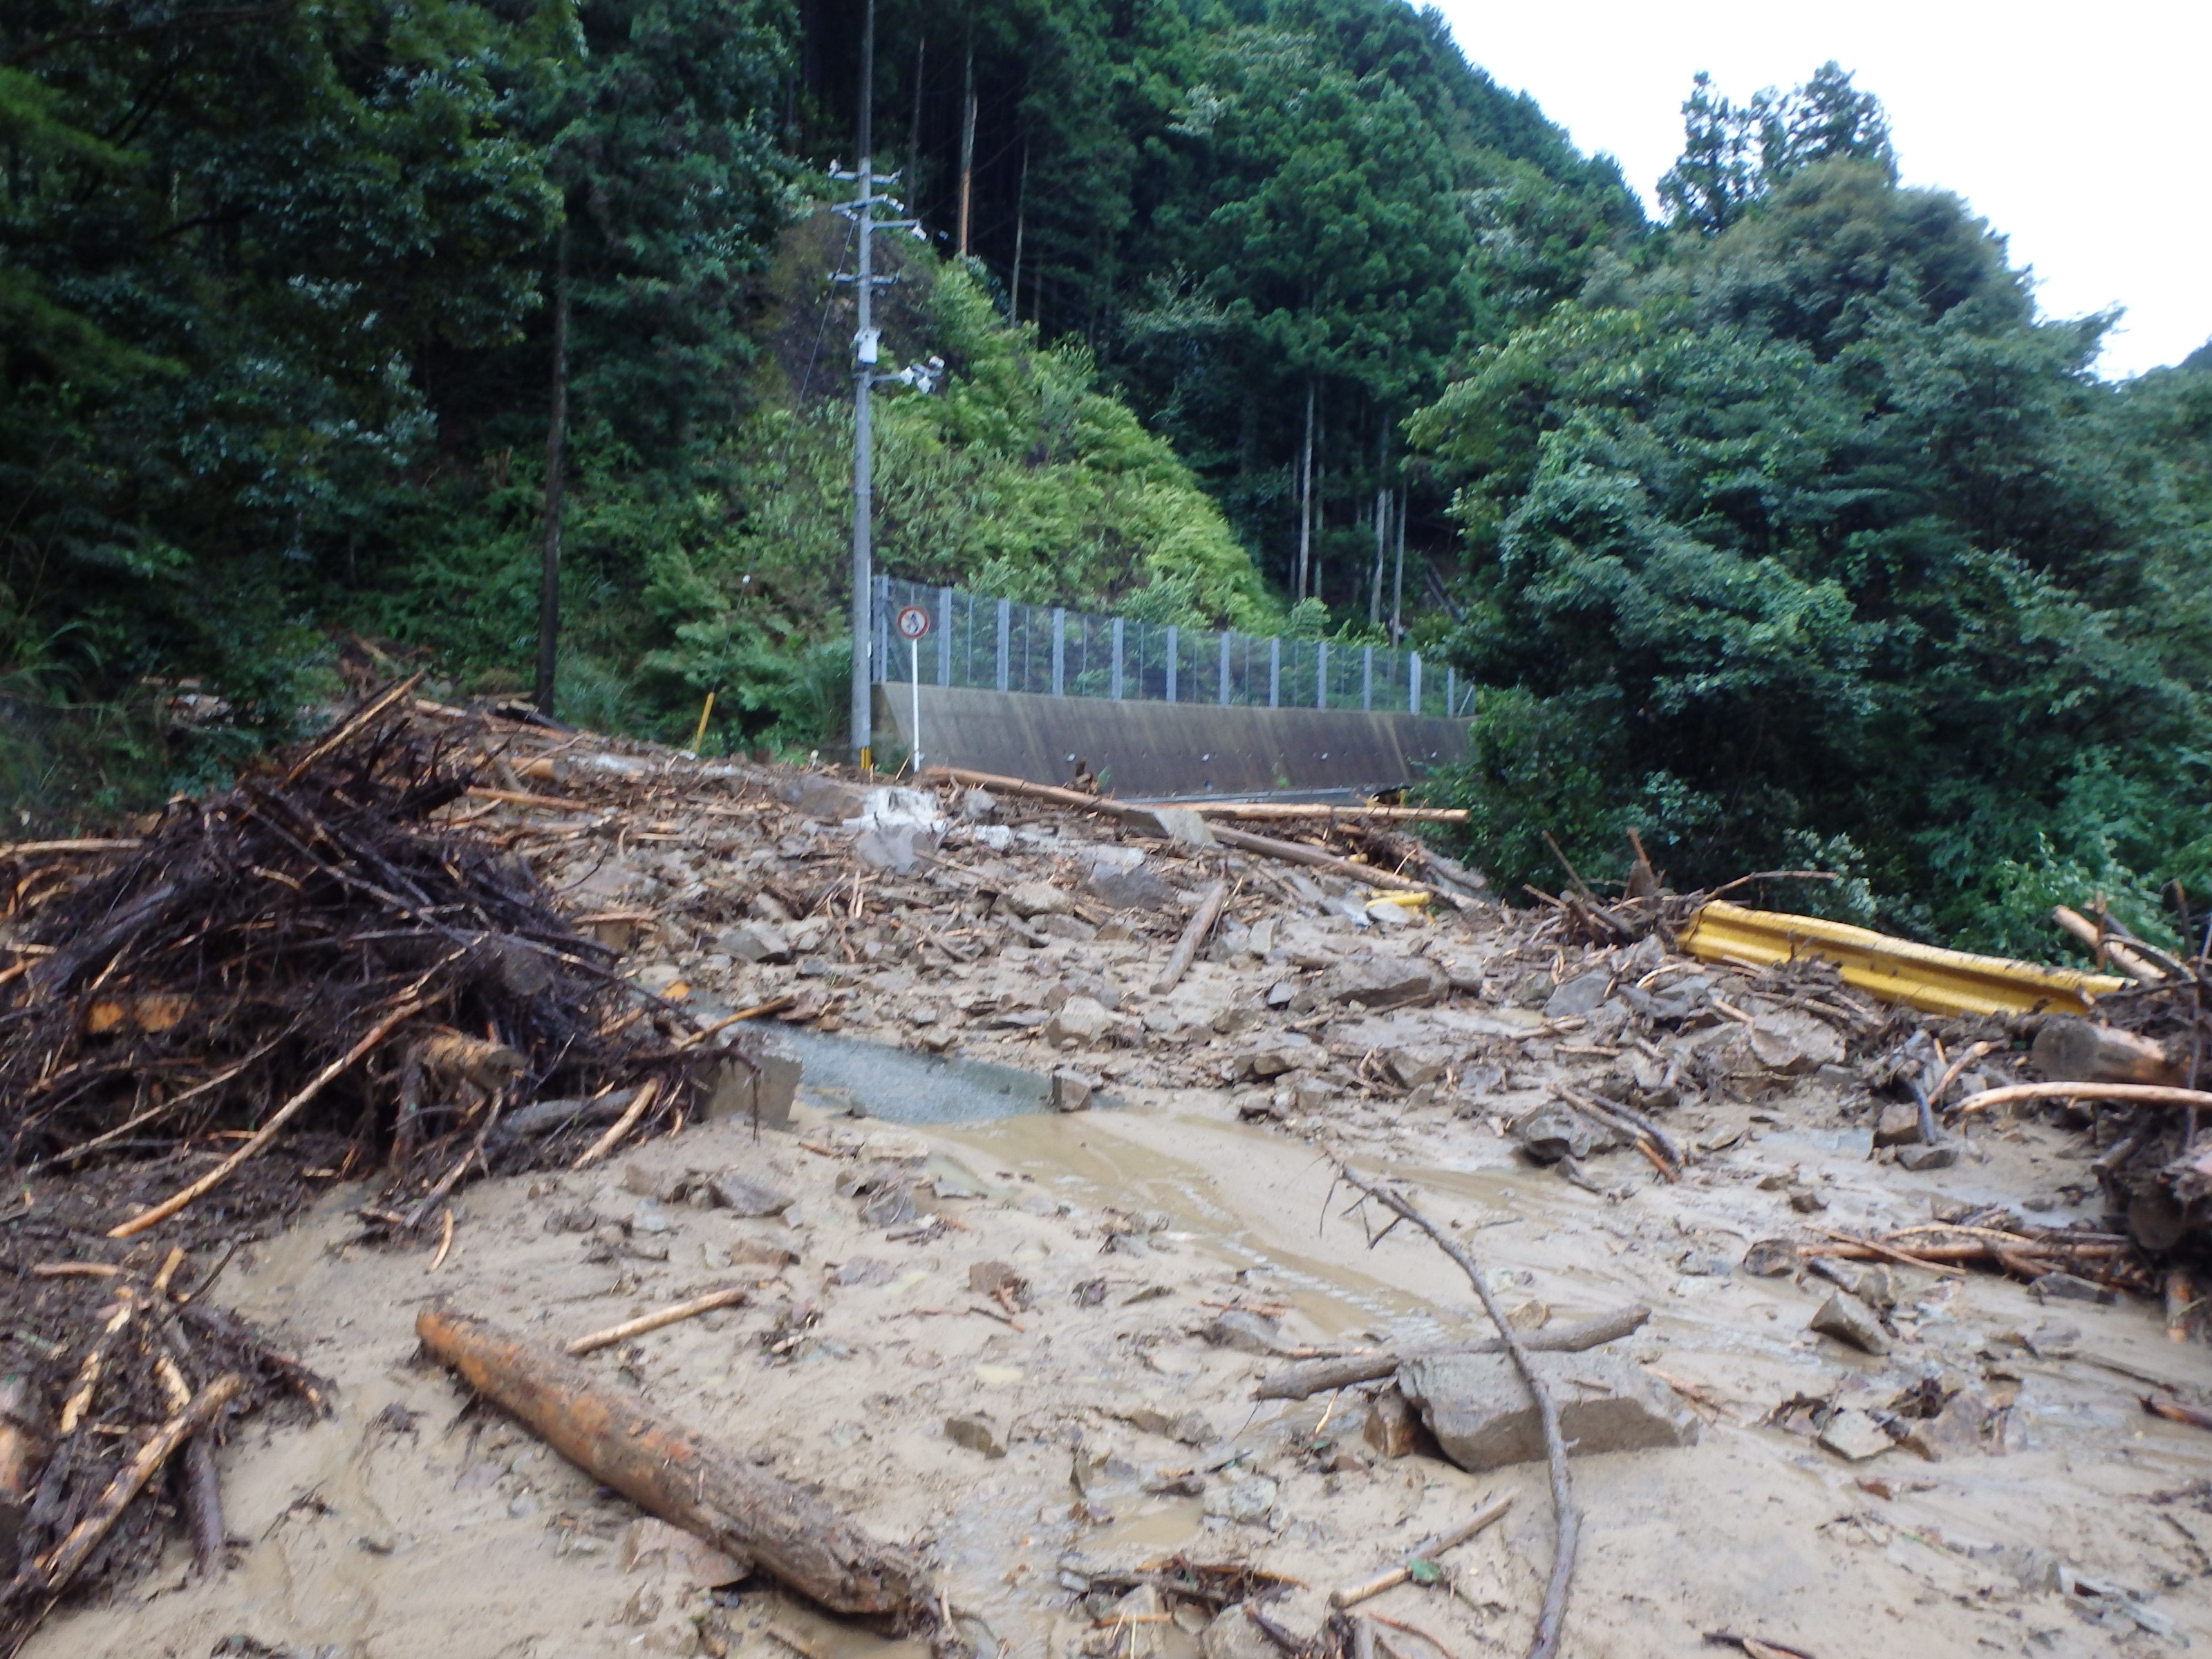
pixel 1410 1067
pixel 1899 1125
pixel 1287 1051
pixel 1853 1435
pixel 860 1272
pixel 648 1543
pixel 1072 1090
pixel 889 1205
pixel 1072 929
pixel 754 942
pixel 1552 1132
pixel 1529 1315
pixel 2070 1287
pixel 1176 824
pixel 824 798
pixel 1771 1257
pixel 1479 1410
pixel 1870 1281
pixel 1806 1201
pixel 1137 889
pixel 978 807
pixel 1249 1499
pixel 1391 1422
pixel 741 1196
pixel 901 1146
pixel 1919 1158
pixel 989 1278
pixel 1578 995
pixel 1386 913
pixel 1848 1319
pixel 1079 1020
pixel 977 1433
pixel 891 849
pixel 1793 1042
pixel 1955 1431
pixel 1380 981
pixel 1239 1328
pixel 1035 898
pixel 1232 1635
pixel 1311 1094
pixel 763 1092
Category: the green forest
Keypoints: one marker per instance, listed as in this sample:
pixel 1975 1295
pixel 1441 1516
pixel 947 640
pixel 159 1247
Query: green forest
pixel 1783 527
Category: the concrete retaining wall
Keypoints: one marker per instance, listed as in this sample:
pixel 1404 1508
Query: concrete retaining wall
pixel 1141 749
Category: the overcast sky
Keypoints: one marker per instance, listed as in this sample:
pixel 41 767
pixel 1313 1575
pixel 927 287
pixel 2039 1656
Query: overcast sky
pixel 2079 132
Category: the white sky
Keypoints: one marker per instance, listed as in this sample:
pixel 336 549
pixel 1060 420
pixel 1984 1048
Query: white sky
pixel 2080 132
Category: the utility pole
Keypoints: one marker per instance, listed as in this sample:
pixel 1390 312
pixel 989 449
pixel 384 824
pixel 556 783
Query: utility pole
pixel 866 339
pixel 864 376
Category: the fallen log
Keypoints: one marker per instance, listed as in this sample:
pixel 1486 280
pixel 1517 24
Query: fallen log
pixel 1201 924
pixel 751 1516
pixel 2068 1050
pixel 1312 1377
pixel 1289 852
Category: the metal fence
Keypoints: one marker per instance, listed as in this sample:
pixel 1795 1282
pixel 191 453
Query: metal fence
pixel 1003 645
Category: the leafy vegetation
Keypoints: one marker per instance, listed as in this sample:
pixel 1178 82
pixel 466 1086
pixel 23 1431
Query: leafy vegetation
pixel 1786 532
pixel 1811 539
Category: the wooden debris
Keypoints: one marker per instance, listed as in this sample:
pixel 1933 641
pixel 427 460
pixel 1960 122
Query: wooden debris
pixel 1194 936
pixel 748 1514
pixel 728 1296
pixel 1490 1510
pixel 1309 1377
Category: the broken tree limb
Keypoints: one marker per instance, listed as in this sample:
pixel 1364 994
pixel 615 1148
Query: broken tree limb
pixel 1567 1523
pixel 2106 947
pixel 51 1572
pixel 2143 1094
pixel 1312 1377
pixel 1201 924
pixel 621 1126
pixel 748 1514
pixel 1352 1594
pixel 728 1296
pixel 268 1131
pixel 1291 852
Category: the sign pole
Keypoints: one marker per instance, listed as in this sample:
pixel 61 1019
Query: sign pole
pixel 913 660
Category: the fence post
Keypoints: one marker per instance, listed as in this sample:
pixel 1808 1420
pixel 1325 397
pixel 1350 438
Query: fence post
pixel 1274 670
pixel 1321 674
pixel 1224 687
pixel 1058 652
pixel 1117 659
pixel 1413 683
pixel 1006 615
pixel 1175 637
pixel 1451 694
pixel 1367 676
pixel 944 636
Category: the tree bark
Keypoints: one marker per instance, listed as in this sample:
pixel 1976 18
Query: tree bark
pixel 2070 1050
pixel 751 1515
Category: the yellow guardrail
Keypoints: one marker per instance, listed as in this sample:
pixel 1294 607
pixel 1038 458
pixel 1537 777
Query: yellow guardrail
pixel 1922 977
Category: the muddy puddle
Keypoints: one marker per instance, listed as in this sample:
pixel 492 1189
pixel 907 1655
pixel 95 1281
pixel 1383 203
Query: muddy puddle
pixel 410 1523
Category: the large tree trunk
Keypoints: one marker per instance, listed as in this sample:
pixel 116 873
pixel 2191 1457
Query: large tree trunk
pixel 618 1439
pixel 557 448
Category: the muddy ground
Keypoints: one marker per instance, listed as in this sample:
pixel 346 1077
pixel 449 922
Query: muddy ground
pixel 409 1524
pixel 1082 1418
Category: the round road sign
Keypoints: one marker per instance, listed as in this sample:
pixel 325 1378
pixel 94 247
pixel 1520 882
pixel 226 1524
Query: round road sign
pixel 913 622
